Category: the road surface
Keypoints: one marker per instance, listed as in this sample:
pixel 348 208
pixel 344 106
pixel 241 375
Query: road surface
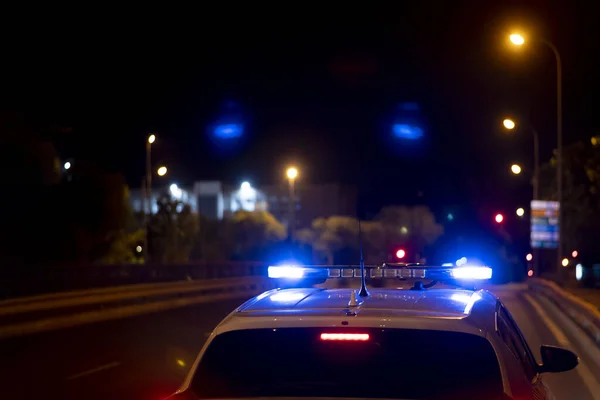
pixel 147 357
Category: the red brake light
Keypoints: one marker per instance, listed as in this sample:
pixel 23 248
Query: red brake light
pixel 360 337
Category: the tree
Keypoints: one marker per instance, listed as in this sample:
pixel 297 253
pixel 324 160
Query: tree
pixel 123 244
pixel 581 195
pixel 173 231
pixel 252 235
pixel 30 171
pixel 414 227
pixel 335 240
pixel 210 245
pixel 122 247
pixel 93 207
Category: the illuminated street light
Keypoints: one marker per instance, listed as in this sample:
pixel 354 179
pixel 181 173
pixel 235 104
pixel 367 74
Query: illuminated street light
pixel 247 191
pixel 565 262
pixel 578 272
pixel 509 124
pixel 67 165
pixel 517 39
pixel 520 211
pixel 529 257
pixel 176 192
pixel 162 171
pixel 292 173
pixel 151 138
pixel 515 169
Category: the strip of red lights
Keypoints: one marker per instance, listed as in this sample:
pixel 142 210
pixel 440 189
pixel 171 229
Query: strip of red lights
pixel 356 337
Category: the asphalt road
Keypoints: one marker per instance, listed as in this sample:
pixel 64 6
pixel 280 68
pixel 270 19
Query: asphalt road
pixel 147 357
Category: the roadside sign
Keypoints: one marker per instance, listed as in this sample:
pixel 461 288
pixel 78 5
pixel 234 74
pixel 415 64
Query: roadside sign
pixel 544 224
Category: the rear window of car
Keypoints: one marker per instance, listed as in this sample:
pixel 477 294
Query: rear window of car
pixel 392 364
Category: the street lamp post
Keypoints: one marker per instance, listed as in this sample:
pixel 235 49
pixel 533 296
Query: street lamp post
pixel 292 174
pixel 149 142
pixel 518 40
pixel 147 189
pixel 536 163
pixel 161 171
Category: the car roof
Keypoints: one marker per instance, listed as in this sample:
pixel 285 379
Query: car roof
pixel 443 309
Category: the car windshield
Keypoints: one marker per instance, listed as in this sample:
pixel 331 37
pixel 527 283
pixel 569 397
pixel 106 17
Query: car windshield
pixel 392 363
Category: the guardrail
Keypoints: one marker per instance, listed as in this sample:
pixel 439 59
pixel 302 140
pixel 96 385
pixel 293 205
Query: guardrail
pixel 584 314
pixel 35 280
pixel 63 310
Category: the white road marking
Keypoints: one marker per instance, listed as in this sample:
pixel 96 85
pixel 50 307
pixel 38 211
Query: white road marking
pixel 94 370
pixel 556 331
pixel 584 372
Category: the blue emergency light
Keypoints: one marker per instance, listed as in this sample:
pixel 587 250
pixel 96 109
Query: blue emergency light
pixel 387 270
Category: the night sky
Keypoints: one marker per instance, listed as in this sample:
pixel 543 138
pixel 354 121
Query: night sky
pixel 318 86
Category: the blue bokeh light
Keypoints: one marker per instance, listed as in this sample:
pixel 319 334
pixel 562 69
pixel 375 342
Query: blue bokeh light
pixel 407 131
pixel 228 131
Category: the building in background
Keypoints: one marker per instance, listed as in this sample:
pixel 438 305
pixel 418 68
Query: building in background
pixel 136 197
pixel 216 200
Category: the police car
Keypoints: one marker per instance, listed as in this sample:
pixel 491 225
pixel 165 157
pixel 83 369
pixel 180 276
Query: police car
pixel 450 341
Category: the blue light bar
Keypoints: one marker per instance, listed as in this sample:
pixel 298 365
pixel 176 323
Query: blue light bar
pixel 283 271
pixel 474 273
pixel 297 272
pixel 387 270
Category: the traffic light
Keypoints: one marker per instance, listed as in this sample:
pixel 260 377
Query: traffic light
pixel 400 253
pixel 499 218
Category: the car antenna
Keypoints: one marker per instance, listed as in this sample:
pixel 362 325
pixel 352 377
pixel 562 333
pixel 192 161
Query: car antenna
pixel 363 292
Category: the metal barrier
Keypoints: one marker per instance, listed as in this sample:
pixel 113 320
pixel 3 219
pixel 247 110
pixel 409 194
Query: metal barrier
pixel 584 314
pixel 64 310
pixel 37 280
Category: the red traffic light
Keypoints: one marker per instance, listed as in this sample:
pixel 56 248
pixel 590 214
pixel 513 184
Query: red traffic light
pixel 575 253
pixel 400 253
pixel 499 218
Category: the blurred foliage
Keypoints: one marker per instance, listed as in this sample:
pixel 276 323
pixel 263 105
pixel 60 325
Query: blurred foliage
pixel 413 227
pixel 51 216
pixel 172 231
pixel 581 196
pixel 28 156
pixel 335 239
pixel 251 235
pixel 122 247
pixel 209 244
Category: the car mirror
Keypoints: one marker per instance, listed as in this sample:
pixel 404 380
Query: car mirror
pixel 557 359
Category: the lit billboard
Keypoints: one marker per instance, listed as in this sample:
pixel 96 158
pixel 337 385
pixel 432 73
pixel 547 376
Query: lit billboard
pixel 544 224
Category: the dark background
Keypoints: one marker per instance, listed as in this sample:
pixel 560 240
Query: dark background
pixel 318 85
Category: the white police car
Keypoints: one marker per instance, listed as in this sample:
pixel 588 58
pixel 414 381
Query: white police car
pixel 419 343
